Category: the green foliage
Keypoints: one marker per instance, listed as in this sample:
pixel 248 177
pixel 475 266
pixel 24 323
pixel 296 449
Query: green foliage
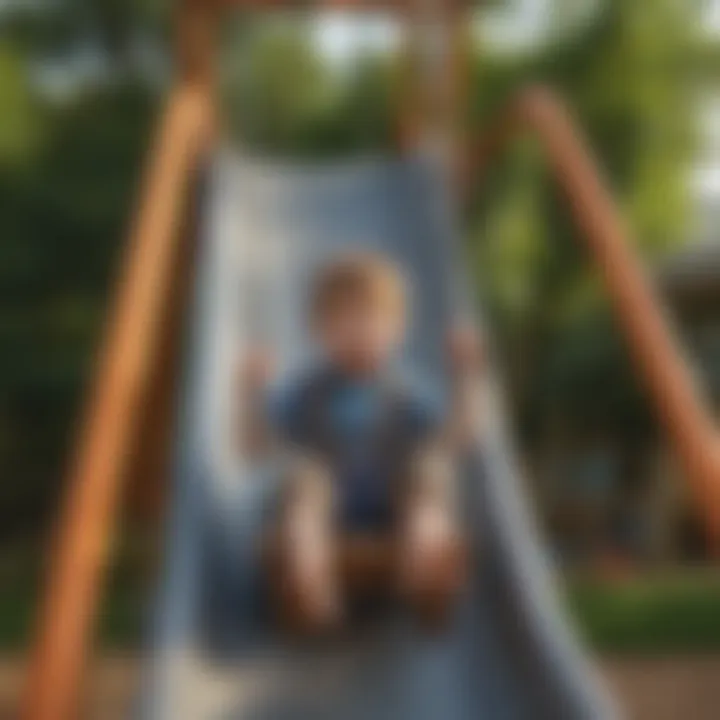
pixel 625 75
pixel 63 217
pixel 20 129
pixel 282 98
pixel 58 28
pixel 278 89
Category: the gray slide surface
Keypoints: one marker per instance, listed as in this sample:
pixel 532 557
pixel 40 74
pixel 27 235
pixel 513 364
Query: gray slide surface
pixel 213 652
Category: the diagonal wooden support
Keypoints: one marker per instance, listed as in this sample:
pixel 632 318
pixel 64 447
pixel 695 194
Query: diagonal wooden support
pixel 132 342
pixel 660 362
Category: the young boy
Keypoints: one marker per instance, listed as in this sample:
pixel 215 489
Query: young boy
pixel 369 494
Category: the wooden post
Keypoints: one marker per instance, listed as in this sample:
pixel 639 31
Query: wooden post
pixel 459 27
pixel 687 421
pixel 195 32
pixel 129 353
pixel 432 114
pixel 410 113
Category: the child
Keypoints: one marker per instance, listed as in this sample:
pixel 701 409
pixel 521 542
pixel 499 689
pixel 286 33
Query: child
pixel 369 493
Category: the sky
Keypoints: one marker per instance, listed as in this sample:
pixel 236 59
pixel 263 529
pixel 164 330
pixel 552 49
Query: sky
pixel 713 15
pixel 340 36
pixel 522 22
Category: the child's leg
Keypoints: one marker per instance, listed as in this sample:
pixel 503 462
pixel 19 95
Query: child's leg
pixel 304 551
pixel 432 553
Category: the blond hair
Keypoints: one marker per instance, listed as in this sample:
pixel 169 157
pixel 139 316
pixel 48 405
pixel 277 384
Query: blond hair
pixel 366 278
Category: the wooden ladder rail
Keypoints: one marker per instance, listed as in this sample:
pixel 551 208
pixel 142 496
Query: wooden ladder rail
pixel 687 421
pixel 125 364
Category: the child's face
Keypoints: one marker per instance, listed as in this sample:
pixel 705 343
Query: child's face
pixel 360 337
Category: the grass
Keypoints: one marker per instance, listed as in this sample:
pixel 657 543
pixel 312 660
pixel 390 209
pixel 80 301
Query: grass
pixel 679 613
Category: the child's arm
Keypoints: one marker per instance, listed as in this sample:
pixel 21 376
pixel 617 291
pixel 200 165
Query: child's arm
pixel 256 435
pixel 465 359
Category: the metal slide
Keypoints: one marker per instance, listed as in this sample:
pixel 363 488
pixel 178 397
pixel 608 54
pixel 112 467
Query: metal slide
pixel 214 654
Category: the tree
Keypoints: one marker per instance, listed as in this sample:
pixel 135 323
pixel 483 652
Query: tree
pixel 68 172
pixel 625 74
pixel 284 98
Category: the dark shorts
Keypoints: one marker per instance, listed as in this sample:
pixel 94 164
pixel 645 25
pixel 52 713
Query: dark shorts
pixel 363 512
pixel 364 501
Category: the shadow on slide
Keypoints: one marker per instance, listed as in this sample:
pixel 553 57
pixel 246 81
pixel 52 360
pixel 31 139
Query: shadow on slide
pixel 509 654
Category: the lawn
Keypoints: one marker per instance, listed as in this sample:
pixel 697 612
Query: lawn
pixel 675 613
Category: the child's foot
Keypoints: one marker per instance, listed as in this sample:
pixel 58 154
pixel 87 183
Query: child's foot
pixel 432 564
pixel 312 601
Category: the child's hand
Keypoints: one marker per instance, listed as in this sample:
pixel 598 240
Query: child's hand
pixel 257 369
pixel 464 350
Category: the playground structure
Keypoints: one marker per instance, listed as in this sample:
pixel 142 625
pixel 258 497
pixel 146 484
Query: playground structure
pixel 511 655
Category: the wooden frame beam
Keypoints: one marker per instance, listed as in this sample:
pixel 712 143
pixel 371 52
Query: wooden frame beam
pixel 132 343
pixel 687 420
pixel 320 5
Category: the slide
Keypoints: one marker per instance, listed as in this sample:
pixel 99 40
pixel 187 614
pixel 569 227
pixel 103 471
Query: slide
pixel 214 652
